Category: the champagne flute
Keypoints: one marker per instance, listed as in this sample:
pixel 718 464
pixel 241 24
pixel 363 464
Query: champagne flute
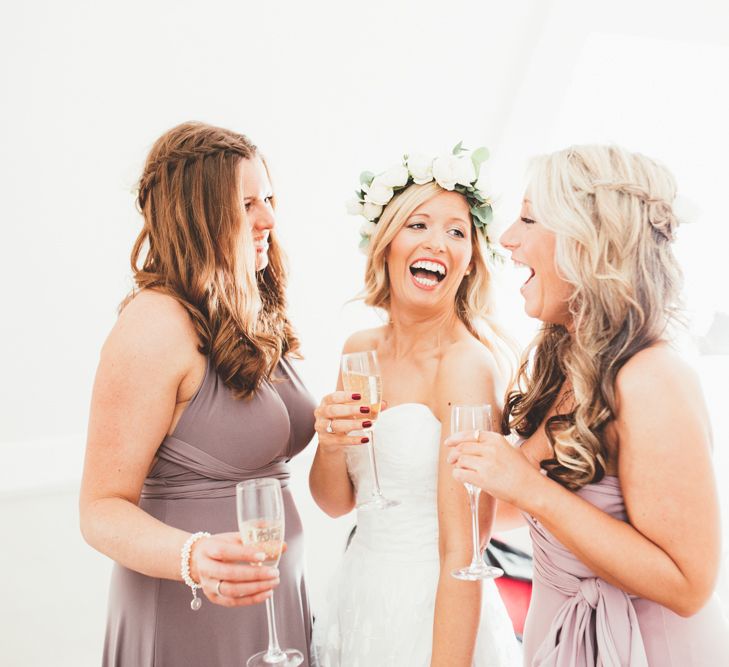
pixel 259 505
pixel 472 419
pixel 361 375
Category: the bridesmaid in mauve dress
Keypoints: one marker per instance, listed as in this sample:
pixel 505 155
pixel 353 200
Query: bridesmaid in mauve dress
pixel 195 391
pixel 625 517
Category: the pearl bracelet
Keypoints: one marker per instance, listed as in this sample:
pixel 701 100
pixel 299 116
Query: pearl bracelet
pixel 196 602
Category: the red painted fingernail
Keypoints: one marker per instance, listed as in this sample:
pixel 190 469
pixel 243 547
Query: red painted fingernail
pixel 364 409
pixel 356 397
pixel 366 424
pixel 365 441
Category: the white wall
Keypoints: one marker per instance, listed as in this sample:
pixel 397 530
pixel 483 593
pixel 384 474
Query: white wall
pixel 326 89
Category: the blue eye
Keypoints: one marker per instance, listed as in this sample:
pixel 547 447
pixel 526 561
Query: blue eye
pixel 458 233
pixel 416 225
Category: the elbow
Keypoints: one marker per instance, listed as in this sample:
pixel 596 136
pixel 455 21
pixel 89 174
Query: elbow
pixel 332 503
pixel 690 605
pixel 690 600
pixel 333 508
pixel 337 512
pixel 85 522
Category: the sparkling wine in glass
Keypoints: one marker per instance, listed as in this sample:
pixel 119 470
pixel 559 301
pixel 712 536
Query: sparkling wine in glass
pixel 361 375
pixel 260 509
pixel 471 419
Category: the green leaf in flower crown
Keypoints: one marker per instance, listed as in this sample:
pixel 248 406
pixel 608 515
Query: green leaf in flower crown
pixel 476 196
pixel 360 195
pixel 458 148
pixel 482 213
pixel 479 156
pixel 366 178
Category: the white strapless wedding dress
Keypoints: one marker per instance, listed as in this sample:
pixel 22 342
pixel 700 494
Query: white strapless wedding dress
pixel 380 605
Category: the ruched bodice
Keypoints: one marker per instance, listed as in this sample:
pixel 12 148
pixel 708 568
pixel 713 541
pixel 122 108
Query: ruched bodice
pixel 407 442
pixel 381 602
pixel 578 620
pixel 220 440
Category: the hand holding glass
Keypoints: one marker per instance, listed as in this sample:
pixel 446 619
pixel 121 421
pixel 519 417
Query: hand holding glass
pixel 361 375
pixel 260 510
pixel 473 419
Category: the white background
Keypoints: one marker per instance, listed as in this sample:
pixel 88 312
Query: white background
pixel 326 89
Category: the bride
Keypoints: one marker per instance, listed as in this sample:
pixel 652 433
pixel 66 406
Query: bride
pixel 394 601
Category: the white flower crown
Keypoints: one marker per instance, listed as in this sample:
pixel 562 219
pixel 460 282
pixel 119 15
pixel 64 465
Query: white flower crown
pixel 459 172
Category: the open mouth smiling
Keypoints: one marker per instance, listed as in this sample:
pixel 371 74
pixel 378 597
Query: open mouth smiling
pixel 428 273
pixel 525 267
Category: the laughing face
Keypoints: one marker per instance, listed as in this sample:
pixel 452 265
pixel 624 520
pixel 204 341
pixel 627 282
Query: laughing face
pixel 431 253
pixel 532 248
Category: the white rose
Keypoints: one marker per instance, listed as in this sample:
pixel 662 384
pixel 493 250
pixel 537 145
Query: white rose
pixel 444 171
pixel 465 171
pixel 367 229
pixel 395 177
pixel 421 168
pixel 371 211
pixel 379 192
pixel 355 207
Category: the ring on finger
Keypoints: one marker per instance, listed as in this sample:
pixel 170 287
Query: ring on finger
pixel 329 428
pixel 217 588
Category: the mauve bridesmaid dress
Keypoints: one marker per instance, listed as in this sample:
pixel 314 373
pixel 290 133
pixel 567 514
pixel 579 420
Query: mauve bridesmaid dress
pixel 218 442
pixel 579 620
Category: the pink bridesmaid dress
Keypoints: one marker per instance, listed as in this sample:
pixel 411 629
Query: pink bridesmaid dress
pixel 577 619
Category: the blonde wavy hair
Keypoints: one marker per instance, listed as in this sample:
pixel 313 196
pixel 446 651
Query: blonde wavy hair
pixel 474 303
pixel 611 212
pixel 196 246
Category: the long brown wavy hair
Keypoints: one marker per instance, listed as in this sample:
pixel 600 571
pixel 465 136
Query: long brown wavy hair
pixel 612 214
pixel 197 247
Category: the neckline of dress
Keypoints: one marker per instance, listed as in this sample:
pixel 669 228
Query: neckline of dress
pixel 401 405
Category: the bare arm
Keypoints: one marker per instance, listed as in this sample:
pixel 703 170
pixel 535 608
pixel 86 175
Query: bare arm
pixel 508 517
pixel 329 481
pixel 143 364
pixel 667 481
pixel 466 378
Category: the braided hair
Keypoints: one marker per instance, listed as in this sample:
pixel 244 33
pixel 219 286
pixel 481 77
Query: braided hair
pixel 190 248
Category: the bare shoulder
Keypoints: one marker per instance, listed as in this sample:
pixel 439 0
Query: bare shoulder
pixel 153 329
pixel 655 370
pixel 658 392
pixel 467 372
pixel 366 339
pixel 467 358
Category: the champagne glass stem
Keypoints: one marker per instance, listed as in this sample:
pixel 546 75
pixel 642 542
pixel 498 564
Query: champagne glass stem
pixel 474 492
pixel 274 650
pixel 376 491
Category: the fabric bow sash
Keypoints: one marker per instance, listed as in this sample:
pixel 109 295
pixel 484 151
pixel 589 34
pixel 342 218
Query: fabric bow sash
pixel 612 640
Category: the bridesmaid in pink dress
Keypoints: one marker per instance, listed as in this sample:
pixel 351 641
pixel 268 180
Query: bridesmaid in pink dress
pixel 624 516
